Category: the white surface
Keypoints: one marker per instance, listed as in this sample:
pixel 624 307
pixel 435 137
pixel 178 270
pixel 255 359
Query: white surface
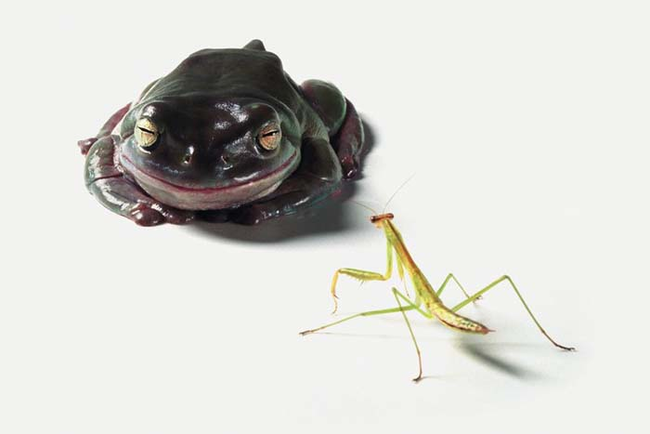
pixel 527 129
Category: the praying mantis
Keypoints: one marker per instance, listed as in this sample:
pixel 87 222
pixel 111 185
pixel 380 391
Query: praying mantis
pixel 427 301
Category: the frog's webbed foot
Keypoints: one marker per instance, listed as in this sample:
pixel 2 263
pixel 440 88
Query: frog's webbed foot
pixel 348 142
pixel 256 213
pixel 318 176
pixel 120 195
pixel 106 129
pixel 342 121
pixel 86 144
pixel 123 197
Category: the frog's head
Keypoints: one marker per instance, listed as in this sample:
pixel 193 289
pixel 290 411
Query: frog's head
pixel 204 154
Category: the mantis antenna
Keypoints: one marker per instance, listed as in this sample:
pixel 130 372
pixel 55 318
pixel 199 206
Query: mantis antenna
pixel 364 206
pixel 396 191
pixel 387 202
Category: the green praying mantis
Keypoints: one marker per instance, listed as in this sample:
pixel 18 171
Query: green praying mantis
pixel 427 301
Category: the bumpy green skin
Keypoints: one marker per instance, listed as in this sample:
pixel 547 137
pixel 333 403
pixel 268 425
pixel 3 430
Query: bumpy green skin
pixel 207 161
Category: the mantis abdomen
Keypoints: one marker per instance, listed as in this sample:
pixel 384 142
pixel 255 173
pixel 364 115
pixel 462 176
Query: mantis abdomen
pixel 435 306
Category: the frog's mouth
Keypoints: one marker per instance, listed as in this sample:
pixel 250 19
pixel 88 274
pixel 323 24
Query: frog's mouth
pixel 206 198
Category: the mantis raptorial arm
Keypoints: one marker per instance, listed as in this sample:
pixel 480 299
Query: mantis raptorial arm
pixel 363 275
pixel 478 294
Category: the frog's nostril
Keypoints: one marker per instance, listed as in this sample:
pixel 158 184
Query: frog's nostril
pixel 187 159
pixel 226 162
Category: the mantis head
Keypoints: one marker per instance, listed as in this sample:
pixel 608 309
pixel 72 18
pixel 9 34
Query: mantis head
pixel 378 218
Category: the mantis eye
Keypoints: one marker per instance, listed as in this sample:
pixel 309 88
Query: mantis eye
pixel 146 133
pixel 270 136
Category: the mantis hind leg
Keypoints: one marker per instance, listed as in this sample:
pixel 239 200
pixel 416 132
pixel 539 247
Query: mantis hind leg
pixel 530 313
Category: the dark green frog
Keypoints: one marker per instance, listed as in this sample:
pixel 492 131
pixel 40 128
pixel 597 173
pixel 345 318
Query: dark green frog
pixel 226 136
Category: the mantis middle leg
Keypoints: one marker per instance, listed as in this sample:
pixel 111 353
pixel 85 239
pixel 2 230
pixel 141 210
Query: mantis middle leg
pixel 410 306
pixel 403 309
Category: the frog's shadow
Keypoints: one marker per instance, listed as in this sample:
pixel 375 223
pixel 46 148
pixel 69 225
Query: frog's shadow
pixel 330 216
pixel 334 215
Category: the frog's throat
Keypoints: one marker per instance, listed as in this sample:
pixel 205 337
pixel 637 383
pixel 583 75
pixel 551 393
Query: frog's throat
pixel 227 196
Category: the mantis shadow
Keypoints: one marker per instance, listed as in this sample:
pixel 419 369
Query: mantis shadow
pixel 482 352
pixel 332 215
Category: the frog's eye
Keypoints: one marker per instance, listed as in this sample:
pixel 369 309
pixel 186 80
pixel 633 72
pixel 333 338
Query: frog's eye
pixel 146 133
pixel 269 137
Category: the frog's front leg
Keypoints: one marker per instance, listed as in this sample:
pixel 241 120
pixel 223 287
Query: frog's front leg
pixel 119 194
pixel 341 120
pixel 318 176
pixel 106 130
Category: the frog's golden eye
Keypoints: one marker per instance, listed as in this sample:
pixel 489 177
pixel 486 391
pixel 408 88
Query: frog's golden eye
pixel 270 137
pixel 146 133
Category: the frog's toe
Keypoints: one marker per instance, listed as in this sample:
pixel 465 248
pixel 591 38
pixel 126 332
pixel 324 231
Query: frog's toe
pixel 143 215
pixel 349 166
pixel 177 216
pixel 85 145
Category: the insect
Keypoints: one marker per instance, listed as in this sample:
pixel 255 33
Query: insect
pixel 427 301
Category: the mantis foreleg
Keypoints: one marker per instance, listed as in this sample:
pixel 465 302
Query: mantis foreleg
pixel 530 313
pixel 363 275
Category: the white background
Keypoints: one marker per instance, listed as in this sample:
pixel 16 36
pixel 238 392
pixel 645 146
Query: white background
pixel 527 129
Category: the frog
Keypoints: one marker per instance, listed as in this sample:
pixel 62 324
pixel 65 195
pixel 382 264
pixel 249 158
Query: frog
pixel 226 136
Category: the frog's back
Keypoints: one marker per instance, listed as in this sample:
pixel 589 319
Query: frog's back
pixel 228 73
